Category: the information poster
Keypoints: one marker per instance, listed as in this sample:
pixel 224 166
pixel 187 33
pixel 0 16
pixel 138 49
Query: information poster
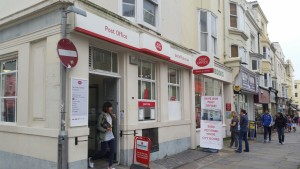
pixel 79 102
pixel 211 122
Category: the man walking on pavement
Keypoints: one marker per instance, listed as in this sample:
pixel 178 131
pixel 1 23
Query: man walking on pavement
pixel 243 132
pixel 267 123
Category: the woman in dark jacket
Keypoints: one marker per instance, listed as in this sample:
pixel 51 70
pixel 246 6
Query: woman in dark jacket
pixel 280 124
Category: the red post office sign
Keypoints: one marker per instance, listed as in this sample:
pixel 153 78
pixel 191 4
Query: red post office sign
pixel 142 147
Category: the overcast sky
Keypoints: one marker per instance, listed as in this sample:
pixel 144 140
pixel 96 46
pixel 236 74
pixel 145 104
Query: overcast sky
pixel 284 27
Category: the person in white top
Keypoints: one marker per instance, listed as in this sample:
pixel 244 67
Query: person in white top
pixel 105 135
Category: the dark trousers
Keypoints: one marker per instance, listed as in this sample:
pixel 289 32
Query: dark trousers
pixel 267 130
pixel 280 131
pixel 243 136
pixel 234 139
pixel 106 146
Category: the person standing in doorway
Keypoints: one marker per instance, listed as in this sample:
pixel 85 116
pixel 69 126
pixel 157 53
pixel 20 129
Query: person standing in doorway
pixel 234 129
pixel 243 132
pixel 105 135
pixel 280 124
pixel 267 123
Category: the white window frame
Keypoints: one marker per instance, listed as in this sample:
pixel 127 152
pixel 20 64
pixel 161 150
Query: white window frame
pixel 212 49
pixel 139 14
pixel 16 90
pixel 133 19
pixel 240 17
pixel 177 85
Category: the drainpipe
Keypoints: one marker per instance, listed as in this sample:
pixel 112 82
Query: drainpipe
pixel 258 42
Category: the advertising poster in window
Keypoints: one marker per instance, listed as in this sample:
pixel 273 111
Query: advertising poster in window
pixel 211 122
pixel 79 102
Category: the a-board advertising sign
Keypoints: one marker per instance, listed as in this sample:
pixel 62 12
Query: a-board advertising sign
pixel 211 122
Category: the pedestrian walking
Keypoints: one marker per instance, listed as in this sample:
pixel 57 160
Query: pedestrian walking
pixel 234 129
pixel 105 135
pixel 280 124
pixel 243 132
pixel 289 123
pixel 267 121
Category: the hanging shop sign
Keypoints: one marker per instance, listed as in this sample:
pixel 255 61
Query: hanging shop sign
pixel 203 64
pixel 248 82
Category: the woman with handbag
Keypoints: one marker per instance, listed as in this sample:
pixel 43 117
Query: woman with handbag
pixel 105 135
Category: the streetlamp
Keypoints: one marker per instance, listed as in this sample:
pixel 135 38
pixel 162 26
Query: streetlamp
pixel 62 162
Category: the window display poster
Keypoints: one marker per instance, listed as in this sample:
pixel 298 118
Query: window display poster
pixel 79 102
pixel 211 122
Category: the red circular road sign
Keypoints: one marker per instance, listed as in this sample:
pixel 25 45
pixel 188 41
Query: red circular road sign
pixel 67 53
pixel 202 61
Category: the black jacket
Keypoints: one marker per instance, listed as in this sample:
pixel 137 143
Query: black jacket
pixel 280 122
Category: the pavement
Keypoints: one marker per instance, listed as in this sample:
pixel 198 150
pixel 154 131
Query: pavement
pixel 261 156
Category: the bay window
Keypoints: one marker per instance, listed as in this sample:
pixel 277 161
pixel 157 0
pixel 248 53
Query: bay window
pixel 208 32
pixel 255 64
pixel 237 18
pixel 8 88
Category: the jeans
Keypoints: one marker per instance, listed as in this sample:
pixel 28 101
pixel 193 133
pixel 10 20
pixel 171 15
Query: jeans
pixel 267 130
pixel 106 146
pixel 280 131
pixel 243 136
pixel 234 138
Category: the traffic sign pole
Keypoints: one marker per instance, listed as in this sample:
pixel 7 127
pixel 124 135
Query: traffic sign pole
pixel 62 162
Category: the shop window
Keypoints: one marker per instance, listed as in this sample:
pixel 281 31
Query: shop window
pixel 218 88
pixel 100 59
pixel 152 133
pixel 146 80
pixel 199 91
pixel 174 85
pixel 209 87
pixel 8 88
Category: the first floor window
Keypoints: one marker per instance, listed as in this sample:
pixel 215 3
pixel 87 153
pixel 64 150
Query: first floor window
pixel 150 8
pixel 234 51
pixel 255 65
pixel 208 32
pixel 174 84
pixel 8 88
pixel 129 8
pixel 100 59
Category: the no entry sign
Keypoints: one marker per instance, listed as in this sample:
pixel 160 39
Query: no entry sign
pixel 67 53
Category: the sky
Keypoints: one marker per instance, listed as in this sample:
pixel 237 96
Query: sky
pixel 284 27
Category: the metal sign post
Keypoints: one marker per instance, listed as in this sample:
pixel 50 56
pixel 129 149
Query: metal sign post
pixel 62 162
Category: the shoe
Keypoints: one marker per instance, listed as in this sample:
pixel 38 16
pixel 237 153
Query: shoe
pixel 246 151
pixel 91 164
pixel 237 151
pixel 282 143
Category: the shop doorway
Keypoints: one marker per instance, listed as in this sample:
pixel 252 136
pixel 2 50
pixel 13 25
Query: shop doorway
pixel 102 89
